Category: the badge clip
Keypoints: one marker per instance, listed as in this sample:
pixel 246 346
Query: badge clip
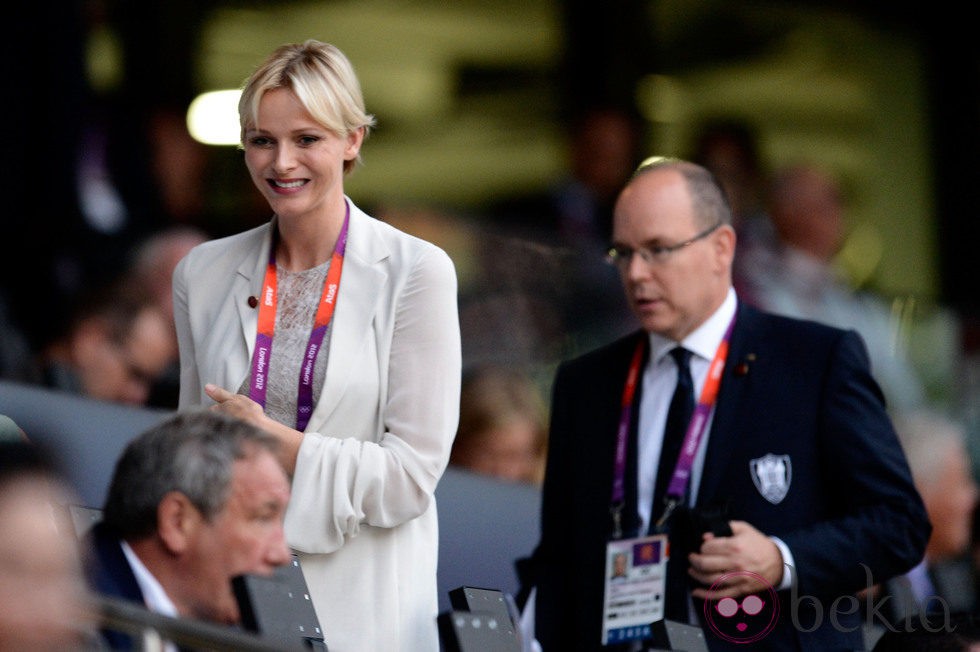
pixel 617 514
pixel 672 504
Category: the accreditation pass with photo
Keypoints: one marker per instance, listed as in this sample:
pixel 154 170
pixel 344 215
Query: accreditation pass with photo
pixel 636 571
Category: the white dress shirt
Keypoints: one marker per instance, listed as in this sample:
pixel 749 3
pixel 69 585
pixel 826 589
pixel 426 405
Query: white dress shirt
pixel 155 597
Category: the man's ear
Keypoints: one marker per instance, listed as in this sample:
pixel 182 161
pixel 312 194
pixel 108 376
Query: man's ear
pixel 724 244
pixel 177 521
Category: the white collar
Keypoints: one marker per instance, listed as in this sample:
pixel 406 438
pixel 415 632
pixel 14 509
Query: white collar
pixel 703 341
pixel 155 597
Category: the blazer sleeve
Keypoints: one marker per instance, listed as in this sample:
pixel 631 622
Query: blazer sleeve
pixel 878 527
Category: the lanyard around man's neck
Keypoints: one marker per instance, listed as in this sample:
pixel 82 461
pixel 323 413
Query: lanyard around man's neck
pixel 692 439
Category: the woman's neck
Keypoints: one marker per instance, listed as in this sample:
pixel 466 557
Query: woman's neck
pixel 305 243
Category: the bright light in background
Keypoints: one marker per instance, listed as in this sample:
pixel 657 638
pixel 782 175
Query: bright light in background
pixel 212 118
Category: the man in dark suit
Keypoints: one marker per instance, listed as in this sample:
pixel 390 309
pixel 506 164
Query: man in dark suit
pixel 795 493
pixel 194 502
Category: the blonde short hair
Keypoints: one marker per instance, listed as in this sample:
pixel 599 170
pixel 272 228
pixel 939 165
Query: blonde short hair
pixel 323 80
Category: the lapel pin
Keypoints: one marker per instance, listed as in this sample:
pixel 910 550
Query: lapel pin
pixel 742 369
pixel 253 301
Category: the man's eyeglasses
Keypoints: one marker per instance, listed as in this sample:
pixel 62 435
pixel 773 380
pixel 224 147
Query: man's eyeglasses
pixel 622 256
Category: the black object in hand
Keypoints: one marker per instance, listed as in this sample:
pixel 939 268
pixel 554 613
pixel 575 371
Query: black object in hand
pixel 712 519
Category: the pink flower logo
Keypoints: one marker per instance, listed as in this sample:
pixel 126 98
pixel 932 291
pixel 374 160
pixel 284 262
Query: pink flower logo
pixel 742 620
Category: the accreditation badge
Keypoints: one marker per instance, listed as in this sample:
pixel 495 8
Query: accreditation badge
pixel 636 572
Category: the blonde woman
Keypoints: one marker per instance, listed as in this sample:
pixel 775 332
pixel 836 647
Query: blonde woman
pixel 339 335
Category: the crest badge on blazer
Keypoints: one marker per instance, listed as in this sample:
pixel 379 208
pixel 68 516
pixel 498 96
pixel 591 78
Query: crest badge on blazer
pixel 771 475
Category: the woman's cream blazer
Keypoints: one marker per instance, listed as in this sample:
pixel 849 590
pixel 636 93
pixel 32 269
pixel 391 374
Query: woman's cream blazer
pixel 362 515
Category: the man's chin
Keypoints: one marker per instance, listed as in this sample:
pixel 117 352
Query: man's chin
pixel 655 323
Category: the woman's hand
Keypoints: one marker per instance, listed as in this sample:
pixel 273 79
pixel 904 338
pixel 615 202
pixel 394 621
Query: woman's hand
pixel 236 405
pixel 242 407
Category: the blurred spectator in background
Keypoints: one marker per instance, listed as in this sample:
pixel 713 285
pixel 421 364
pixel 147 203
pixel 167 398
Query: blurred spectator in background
pixel 511 312
pixel 152 263
pixel 114 347
pixel 604 146
pixel 729 148
pixel 547 246
pixel 935 446
pixel 150 272
pixel 800 279
pixel 104 115
pixel 194 502
pixel 43 599
pixel 502 425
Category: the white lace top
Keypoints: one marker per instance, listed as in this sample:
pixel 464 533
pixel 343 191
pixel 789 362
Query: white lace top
pixel 298 296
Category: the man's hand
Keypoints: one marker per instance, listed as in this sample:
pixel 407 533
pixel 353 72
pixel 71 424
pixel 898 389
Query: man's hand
pixel 747 549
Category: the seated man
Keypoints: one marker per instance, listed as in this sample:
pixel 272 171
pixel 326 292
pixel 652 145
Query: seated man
pixel 194 502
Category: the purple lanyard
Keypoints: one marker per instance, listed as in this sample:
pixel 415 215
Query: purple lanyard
pixel 692 439
pixel 267 325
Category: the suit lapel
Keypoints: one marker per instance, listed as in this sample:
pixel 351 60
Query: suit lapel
pixel 111 572
pixel 729 410
pixel 361 286
pixel 248 283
